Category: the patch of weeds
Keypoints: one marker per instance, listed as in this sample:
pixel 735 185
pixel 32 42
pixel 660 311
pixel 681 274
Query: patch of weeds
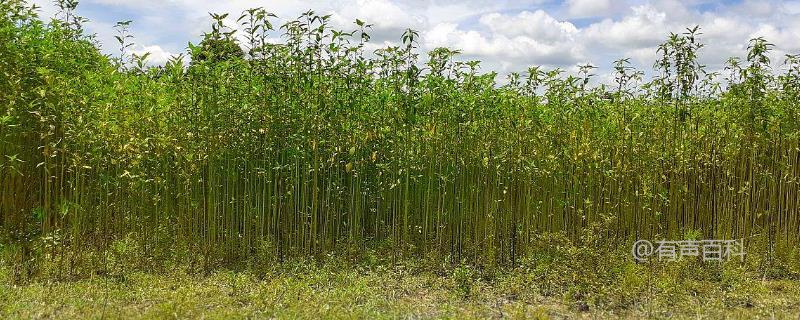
pixel 464 279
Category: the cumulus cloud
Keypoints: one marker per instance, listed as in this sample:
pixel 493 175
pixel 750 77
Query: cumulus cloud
pixel 507 35
pixel 589 8
pixel 791 7
pixel 527 38
pixel 471 42
pixel 644 27
pixel 383 14
pixel 537 24
pixel 157 55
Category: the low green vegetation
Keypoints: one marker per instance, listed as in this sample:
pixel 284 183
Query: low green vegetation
pixel 555 284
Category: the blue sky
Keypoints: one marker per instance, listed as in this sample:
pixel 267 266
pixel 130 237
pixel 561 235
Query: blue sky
pixel 506 35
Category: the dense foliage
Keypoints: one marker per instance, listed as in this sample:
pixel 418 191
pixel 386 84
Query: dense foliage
pixel 313 144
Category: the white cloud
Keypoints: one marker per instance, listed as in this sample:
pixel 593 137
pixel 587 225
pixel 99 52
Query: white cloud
pixel 383 14
pixel 589 8
pixel 756 8
pixel 642 56
pixel 527 38
pixel 645 27
pixel 508 35
pixel 158 56
pixel 538 25
pixel 47 9
pixel 791 7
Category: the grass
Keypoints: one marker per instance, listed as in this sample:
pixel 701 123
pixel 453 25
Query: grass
pixel 336 291
pixel 563 280
pixel 313 144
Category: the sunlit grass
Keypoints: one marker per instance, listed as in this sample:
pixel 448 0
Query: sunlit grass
pixel 313 145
